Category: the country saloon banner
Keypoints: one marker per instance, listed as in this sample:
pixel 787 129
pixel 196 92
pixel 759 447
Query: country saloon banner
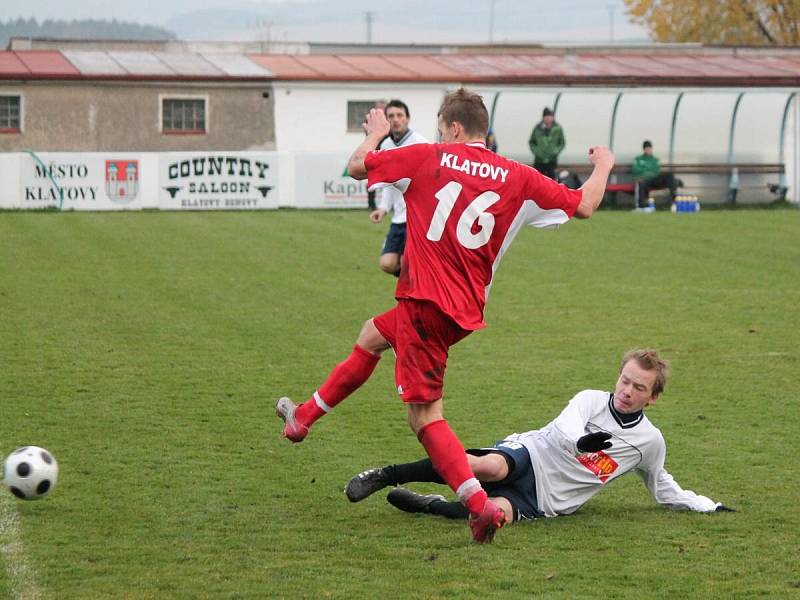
pixel 80 181
pixel 218 181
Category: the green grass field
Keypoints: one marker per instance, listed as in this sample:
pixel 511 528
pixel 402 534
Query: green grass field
pixel 146 351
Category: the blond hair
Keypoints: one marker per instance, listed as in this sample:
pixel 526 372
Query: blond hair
pixel 649 360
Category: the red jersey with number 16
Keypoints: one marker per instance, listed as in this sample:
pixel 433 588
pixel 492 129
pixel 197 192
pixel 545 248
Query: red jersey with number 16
pixel 465 205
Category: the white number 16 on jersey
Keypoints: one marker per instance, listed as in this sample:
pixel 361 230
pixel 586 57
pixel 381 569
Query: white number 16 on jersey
pixel 447 197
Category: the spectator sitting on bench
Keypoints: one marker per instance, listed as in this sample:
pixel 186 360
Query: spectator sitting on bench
pixel 647 175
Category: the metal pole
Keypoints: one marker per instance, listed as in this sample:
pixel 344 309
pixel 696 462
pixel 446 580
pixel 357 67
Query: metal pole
pixel 491 22
pixel 796 153
pixel 368 16
pixel 555 103
pixel 782 138
pixel 672 129
pixel 611 10
pixel 494 107
pixel 784 179
pixel 733 183
pixel 733 127
pixel 613 121
pixel 613 177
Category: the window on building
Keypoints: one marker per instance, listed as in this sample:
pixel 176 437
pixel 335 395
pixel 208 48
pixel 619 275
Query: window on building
pixel 356 112
pixel 183 115
pixel 10 114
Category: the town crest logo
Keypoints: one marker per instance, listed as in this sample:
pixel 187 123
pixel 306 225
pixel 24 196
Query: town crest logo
pixel 122 180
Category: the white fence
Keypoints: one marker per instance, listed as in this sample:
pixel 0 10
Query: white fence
pixel 103 181
pixel 177 181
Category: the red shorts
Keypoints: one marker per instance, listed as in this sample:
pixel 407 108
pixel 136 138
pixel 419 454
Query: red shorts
pixel 421 335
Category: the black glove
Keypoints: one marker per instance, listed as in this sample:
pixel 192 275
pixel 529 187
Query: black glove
pixel 723 508
pixel 592 442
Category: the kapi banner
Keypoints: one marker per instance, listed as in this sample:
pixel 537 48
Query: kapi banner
pixel 95 181
pixel 322 181
pixel 218 180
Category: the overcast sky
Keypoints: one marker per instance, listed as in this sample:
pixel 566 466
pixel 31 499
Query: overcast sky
pixel 411 21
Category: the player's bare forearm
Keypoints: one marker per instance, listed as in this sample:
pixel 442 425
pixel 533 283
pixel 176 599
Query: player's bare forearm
pixel 355 166
pixel 595 186
pixel 593 190
pixel 377 128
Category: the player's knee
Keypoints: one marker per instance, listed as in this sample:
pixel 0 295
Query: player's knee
pixel 489 467
pixel 420 415
pixel 389 263
pixel 416 421
pixel 370 339
pixel 412 422
pixel 504 505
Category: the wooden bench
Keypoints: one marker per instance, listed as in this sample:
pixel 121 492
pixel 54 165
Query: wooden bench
pixel 628 188
pixel 733 172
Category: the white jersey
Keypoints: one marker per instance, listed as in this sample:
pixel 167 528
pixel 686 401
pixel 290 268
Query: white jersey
pixel 391 198
pixel 567 478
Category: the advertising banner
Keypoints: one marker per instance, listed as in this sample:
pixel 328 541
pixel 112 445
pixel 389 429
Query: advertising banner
pixel 321 181
pixel 96 181
pixel 218 180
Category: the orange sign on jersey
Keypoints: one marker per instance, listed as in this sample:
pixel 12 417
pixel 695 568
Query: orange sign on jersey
pixel 599 463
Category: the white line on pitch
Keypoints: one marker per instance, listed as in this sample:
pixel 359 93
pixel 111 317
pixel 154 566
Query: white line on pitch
pixel 21 577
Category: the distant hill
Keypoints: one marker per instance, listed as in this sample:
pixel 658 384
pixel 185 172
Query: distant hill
pixel 84 29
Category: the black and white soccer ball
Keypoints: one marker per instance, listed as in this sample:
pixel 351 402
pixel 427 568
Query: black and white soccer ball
pixel 30 472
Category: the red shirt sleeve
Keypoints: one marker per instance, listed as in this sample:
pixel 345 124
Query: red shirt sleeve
pixel 387 167
pixel 549 194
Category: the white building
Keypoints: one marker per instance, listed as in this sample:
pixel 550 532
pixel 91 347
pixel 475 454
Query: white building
pixel 721 118
pixel 718 117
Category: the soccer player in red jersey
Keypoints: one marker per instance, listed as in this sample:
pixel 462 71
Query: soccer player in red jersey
pixel 464 206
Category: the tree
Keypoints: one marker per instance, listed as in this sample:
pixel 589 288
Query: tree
pixel 729 22
pixel 86 29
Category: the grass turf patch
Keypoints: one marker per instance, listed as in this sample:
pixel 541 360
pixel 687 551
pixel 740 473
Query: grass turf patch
pixel 146 351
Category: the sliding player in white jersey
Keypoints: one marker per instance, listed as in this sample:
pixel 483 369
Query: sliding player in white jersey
pixel 553 471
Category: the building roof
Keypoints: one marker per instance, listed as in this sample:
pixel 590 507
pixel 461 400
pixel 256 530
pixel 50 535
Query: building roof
pixel 659 67
pixel 129 65
pixel 575 68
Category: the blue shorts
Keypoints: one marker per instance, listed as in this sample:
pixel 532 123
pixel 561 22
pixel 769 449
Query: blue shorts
pixel 395 240
pixel 519 486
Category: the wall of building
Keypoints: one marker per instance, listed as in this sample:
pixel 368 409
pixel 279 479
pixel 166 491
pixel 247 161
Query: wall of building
pixel 312 117
pixel 100 116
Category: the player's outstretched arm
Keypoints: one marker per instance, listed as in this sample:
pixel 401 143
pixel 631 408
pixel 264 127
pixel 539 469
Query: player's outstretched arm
pixel 666 491
pixel 595 187
pixel 377 128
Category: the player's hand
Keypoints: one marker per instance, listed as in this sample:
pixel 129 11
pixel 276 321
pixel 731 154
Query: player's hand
pixel 376 122
pixel 722 508
pixel 592 442
pixel 602 157
pixel 376 216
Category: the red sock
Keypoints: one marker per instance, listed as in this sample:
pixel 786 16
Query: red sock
pixel 345 378
pixel 450 461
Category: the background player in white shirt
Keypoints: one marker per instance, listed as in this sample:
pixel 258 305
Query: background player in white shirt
pixel 391 198
pixel 553 471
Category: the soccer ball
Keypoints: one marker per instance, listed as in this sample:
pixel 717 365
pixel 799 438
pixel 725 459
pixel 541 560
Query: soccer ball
pixel 30 472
